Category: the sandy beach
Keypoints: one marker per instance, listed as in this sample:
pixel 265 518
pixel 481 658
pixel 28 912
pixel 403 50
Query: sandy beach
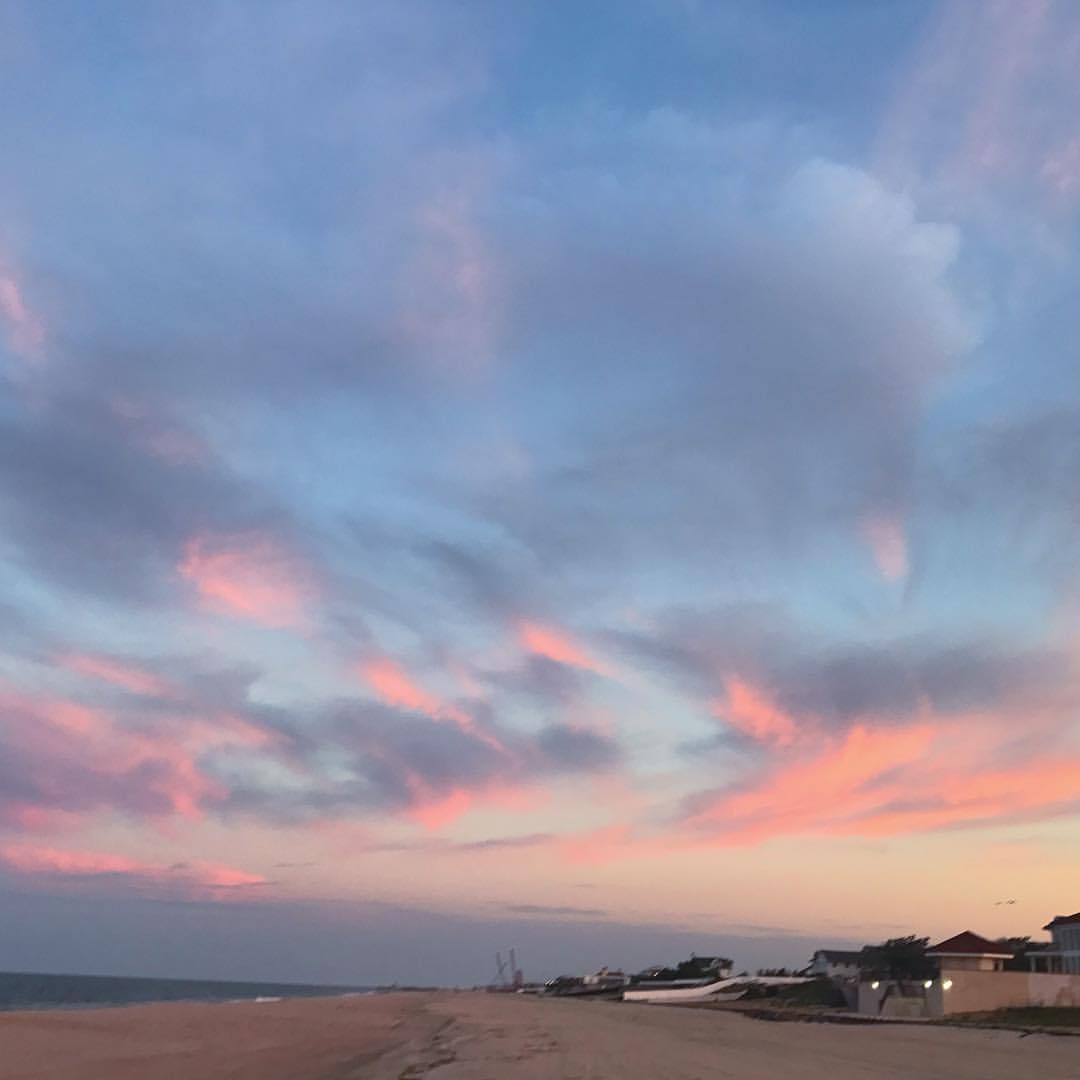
pixel 285 1040
pixel 486 1037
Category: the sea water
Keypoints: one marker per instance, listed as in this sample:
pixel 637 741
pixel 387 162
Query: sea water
pixel 25 990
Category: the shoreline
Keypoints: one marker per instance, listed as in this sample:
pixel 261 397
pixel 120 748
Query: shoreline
pixel 91 1006
pixel 36 991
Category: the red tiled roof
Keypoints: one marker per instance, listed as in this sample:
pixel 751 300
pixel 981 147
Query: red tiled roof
pixel 1062 920
pixel 968 944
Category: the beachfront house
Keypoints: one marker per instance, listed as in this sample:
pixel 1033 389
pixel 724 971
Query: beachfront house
pixel 969 952
pixel 605 979
pixel 705 967
pixel 698 969
pixel 1063 955
pixel 975 975
pixel 836 963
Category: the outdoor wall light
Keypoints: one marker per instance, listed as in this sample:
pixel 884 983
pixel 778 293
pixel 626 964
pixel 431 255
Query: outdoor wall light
pixel 874 985
pixel 928 983
pixel 947 984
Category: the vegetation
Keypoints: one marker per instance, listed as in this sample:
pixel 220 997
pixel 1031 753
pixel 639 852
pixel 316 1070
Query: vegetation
pixel 818 993
pixel 1066 1016
pixel 815 994
pixel 1021 948
pixel 900 958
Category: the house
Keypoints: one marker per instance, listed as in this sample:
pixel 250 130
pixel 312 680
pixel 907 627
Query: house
pixel 705 967
pixel 972 977
pixel 1063 955
pixel 970 952
pixel 697 969
pixel 836 963
pixel 605 979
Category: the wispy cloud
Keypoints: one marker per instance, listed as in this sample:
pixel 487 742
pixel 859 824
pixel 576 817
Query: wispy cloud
pixel 887 540
pixel 196 878
pixel 893 781
pixel 554 909
pixel 557 645
pixel 125 675
pixel 249 576
pixel 25 332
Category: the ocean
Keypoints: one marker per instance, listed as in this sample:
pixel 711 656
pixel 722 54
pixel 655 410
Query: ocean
pixel 26 990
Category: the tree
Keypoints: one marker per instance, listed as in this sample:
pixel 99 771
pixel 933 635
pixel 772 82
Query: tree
pixel 900 958
pixel 1020 947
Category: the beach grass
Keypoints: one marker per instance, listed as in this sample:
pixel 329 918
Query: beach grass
pixel 1034 1016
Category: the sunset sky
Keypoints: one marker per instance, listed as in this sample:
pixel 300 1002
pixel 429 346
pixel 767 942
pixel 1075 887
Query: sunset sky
pixel 602 477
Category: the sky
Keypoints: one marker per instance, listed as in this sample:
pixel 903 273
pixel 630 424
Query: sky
pixel 596 477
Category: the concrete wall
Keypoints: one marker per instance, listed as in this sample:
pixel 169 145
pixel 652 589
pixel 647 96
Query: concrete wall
pixel 891 999
pixel 984 991
pixel 978 991
pixel 1054 989
pixel 969 991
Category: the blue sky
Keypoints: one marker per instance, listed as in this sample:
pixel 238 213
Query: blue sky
pixel 465 457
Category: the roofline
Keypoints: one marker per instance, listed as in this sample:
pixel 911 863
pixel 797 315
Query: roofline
pixel 991 955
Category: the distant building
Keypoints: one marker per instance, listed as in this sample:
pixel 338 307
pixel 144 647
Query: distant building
pixel 1063 955
pixel 836 963
pixel 970 952
pixel 705 967
pixel 697 969
pixel 605 978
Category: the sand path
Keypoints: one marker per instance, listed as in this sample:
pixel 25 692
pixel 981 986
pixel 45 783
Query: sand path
pixel 502 1037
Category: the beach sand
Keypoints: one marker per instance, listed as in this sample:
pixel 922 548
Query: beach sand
pixel 294 1039
pixel 500 1037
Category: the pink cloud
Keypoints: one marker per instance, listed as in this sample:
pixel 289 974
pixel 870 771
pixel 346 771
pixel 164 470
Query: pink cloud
pixel 749 711
pixel 437 812
pixel 394 686
pixel 887 540
pixel 249 576
pixel 892 780
pixel 25 333
pixel 54 863
pixel 78 760
pixel 556 645
pixel 125 675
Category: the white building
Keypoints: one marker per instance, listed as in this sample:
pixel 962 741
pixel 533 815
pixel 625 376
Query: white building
pixel 835 963
pixel 1063 956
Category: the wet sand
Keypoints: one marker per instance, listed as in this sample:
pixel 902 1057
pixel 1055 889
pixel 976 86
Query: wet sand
pixel 496 1037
